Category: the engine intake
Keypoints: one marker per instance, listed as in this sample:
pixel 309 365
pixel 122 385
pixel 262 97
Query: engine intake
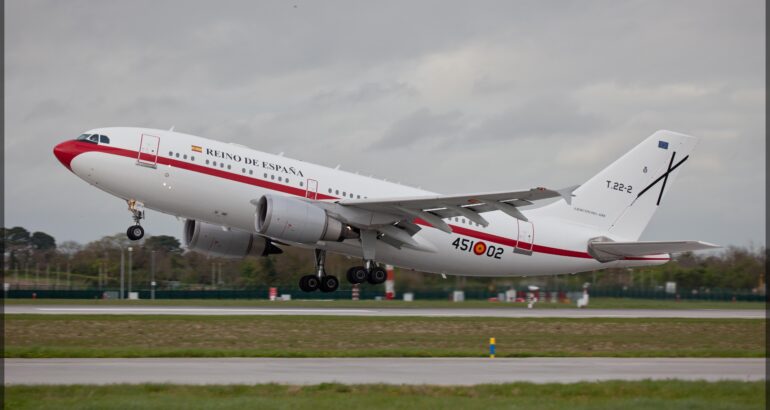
pixel 217 241
pixel 295 220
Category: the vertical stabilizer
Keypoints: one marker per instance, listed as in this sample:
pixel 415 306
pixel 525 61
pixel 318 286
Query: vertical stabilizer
pixel 622 198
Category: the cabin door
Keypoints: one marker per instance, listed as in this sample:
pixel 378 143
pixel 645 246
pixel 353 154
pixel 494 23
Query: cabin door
pixel 148 151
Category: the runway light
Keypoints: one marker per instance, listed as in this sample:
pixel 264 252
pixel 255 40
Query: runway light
pixel 491 347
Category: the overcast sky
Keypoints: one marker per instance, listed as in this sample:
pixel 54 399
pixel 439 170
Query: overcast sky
pixel 450 96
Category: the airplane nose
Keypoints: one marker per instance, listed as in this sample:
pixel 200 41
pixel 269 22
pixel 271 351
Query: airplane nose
pixel 64 152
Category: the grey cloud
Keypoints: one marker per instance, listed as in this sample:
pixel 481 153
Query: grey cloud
pixel 540 117
pixel 421 125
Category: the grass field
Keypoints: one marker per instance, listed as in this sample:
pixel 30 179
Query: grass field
pixel 340 336
pixel 577 396
pixel 595 303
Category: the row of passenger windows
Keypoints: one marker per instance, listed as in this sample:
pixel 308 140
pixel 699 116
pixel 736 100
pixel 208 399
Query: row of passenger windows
pixel 244 171
pixel 345 194
pixel 464 221
pixel 266 176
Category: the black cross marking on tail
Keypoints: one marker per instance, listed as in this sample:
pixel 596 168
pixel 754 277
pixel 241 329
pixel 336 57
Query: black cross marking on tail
pixel 664 177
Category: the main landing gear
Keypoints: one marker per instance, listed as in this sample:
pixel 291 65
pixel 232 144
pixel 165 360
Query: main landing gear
pixel 326 283
pixel 370 273
pixel 136 231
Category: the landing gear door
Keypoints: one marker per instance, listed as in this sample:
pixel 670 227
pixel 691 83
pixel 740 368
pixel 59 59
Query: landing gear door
pixel 526 238
pixel 148 151
pixel 311 189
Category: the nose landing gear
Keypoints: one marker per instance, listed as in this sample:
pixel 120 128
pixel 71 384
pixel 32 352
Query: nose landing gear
pixel 136 231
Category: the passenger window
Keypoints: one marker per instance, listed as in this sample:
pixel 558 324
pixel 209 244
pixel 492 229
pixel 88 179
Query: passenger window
pixel 301 183
pixel 103 139
pixel 184 156
pixel 192 158
pixel 228 166
pixel 287 180
pixel 272 176
pixel 243 170
pixel 177 155
pixel 251 172
pixel 170 154
pixel 207 162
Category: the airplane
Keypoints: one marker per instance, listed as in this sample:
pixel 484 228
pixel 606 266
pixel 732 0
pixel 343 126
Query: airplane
pixel 237 201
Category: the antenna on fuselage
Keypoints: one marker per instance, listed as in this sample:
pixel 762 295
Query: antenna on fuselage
pixel 172 128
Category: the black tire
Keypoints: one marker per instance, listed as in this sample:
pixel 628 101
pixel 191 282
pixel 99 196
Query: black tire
pixel 377 276
pixel 329 283
pixel 309 283
pixel 135 232
pixel 356 275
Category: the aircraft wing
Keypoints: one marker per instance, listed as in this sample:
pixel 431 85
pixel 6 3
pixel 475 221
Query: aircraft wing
pixel 435 207
pixel 608 251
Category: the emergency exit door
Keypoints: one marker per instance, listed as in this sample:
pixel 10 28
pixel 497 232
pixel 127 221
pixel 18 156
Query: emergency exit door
pixel 311 189
pixel 526 238
pixel 148 151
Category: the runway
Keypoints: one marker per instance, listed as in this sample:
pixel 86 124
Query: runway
pixel 389 312
pixel 438 371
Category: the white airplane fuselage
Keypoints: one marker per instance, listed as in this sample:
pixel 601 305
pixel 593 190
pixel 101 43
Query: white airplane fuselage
pixel 215 182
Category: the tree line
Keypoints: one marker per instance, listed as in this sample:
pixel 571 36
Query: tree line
pixel 35 259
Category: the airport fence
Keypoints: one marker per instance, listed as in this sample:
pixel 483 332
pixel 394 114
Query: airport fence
pixel 369 292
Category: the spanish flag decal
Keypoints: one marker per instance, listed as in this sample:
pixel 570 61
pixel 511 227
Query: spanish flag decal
pixel 197 149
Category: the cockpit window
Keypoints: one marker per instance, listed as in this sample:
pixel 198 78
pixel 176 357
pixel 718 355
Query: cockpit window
pixel 95 138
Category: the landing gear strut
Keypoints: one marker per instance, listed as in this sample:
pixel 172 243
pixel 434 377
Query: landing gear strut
pixel 136 231
pixel 326 283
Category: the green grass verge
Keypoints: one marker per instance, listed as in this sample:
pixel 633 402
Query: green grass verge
pixel 668 394
pixel 595 303
pixel 32 336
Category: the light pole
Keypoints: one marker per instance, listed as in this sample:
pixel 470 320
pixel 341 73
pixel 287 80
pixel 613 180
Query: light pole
pixel 152 276
pixel 130 249
pixel 122 273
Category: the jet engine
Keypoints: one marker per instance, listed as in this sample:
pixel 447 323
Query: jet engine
pixel 295 220
pixel 217 241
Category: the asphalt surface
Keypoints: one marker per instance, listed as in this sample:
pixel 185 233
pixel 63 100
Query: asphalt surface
pixel 450 312
pixel 438 371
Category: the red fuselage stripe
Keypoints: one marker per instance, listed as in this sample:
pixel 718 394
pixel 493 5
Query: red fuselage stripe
pixel 82 147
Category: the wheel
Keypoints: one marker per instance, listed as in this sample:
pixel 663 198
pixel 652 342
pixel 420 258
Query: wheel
pixel 377 275
pixel 356 275
pixel 309 283
pixel 329 283
pixel 135 232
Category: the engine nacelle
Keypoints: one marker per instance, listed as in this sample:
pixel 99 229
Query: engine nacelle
pixel 295 220
pixel 215 241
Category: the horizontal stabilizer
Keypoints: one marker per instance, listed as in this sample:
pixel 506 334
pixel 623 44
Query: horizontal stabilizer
pixel 605 251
